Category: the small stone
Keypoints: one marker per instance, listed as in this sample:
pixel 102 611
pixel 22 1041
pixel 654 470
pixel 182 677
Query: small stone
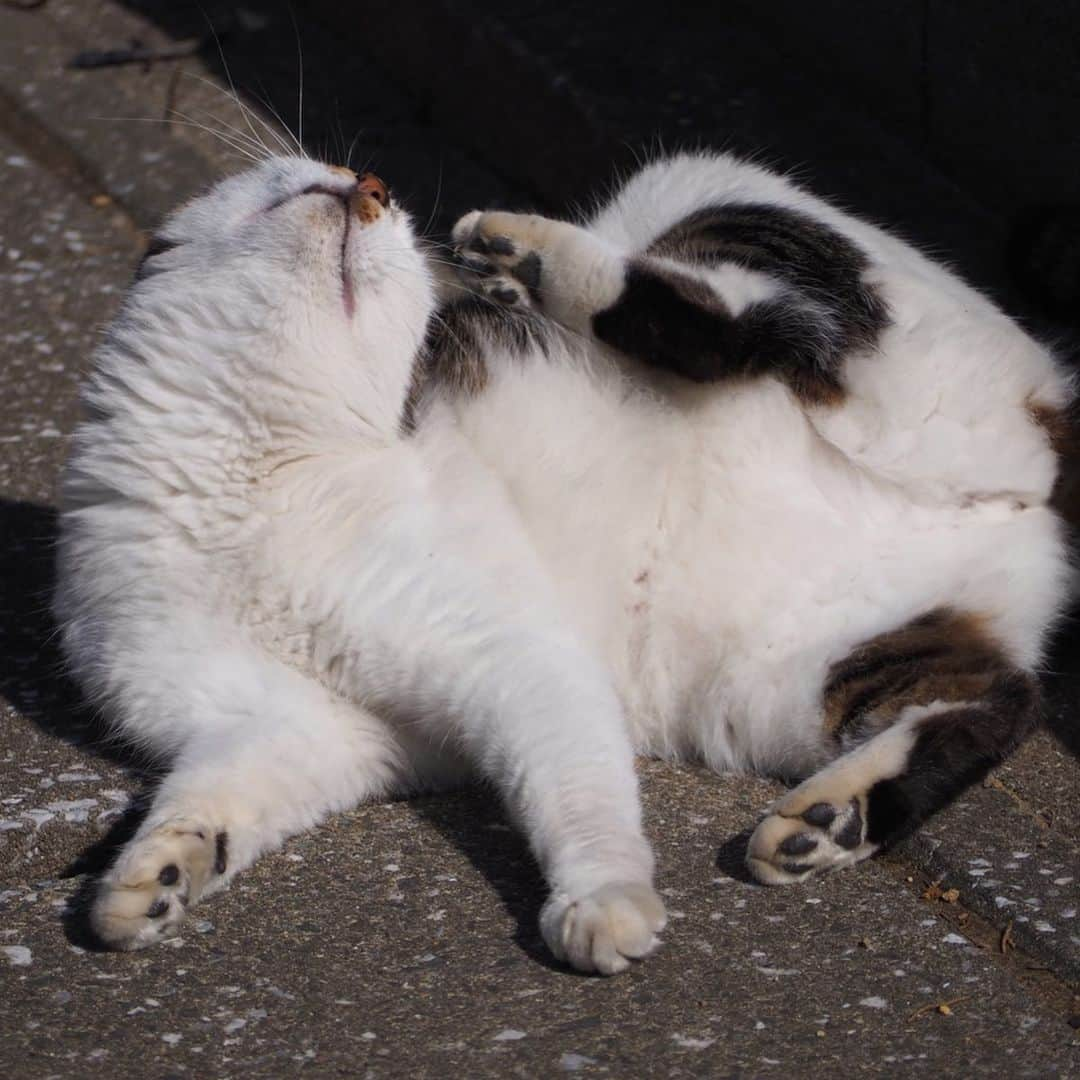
pixel 950 896
pixel 574 1062
pixel 17 955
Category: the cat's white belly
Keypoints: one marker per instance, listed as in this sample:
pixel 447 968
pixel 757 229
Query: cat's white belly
pixel 720 556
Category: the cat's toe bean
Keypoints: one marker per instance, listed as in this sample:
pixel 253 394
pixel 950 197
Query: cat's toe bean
pixel 475 264
pixel 501 245
pixel 606 929
pixel 506 291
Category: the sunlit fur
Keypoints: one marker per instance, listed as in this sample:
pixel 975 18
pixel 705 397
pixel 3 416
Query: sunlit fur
pixel 263 581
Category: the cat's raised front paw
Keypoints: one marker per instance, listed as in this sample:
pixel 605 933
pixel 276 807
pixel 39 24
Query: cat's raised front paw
pixel 603 931
pixel 819 826
pixel 144 896
pixel 500 255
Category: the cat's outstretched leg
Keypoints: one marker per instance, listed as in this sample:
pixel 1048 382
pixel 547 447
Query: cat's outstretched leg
pixel 246 778
pixel 928 709
pixel 496 673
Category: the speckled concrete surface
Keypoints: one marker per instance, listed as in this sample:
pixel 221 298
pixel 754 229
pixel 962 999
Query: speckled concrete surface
pixel 400 940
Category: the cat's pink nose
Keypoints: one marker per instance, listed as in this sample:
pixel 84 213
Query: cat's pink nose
pixel 371 185
pixel 370 198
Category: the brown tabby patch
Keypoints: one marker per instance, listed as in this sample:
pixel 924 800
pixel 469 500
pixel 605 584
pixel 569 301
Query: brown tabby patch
pixel 944 655
pixel 1063 433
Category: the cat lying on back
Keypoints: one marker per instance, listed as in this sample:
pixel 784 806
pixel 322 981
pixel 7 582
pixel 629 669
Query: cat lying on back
pixel 723 473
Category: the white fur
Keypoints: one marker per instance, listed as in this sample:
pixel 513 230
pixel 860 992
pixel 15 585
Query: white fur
pixel 264 581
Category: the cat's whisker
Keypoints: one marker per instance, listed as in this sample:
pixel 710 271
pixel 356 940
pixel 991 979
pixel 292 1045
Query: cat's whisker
pixel 294 147
pixel 257 145
pixel 242 148
pixel 300 78
pixel 180 120
pixel 248 114
pixel 235 94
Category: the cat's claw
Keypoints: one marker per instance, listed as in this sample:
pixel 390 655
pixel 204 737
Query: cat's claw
pixel 498 253
pixel 603 931
pixel 145 895
pixel 809 831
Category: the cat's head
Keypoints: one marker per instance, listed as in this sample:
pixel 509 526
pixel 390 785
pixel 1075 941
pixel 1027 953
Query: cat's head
pixel 298 270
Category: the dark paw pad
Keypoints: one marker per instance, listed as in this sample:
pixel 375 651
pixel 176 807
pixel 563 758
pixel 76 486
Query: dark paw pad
pixel 528 270
pixel 821 814
pixel 851 835
pixel 798 844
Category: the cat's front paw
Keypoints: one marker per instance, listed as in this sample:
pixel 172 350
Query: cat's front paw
pixel 145 895
pixel 500 255
pixel 604 930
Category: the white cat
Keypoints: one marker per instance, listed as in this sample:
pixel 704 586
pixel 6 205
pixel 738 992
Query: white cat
pixel 724 473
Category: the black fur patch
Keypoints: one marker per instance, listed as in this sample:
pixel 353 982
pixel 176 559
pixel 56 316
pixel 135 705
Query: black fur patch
pixel 809 255
pixel 954 750
pixel 943 656
pixel 453 359
pixel 678 323
pixel 826 311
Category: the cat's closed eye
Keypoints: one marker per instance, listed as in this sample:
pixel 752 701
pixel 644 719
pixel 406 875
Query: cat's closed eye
pixel 158 245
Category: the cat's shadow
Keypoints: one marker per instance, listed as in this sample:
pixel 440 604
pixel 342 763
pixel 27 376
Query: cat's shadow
pixel 31 665
pixel 474 821
pixel 33 683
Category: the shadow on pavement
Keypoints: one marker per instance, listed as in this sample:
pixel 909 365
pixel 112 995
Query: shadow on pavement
pixel 31 665
pixel 475 823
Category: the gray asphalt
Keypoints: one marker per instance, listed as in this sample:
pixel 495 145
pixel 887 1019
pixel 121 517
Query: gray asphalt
pixel 400 940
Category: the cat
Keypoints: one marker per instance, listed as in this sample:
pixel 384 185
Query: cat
pixel 720 473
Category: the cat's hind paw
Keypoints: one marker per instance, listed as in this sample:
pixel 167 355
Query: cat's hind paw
pixel 807 832
pixel 606 929
pixel 145 895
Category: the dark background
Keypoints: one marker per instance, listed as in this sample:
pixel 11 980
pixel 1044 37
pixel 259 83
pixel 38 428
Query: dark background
pixel 955 123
